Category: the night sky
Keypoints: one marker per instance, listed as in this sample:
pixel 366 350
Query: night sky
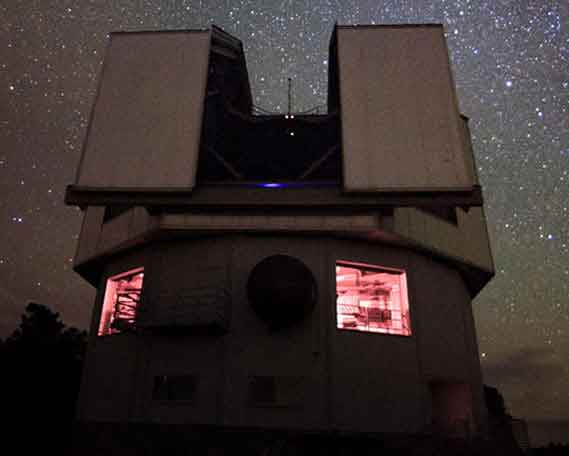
pixel 511 67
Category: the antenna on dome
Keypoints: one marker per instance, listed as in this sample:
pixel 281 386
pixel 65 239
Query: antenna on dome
pixel 289 96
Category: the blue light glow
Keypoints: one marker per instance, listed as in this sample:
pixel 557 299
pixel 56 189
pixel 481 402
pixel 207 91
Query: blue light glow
pixel 271 185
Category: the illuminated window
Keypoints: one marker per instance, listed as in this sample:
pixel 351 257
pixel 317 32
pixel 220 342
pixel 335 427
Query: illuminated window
pixel 122 295
pixel 372 299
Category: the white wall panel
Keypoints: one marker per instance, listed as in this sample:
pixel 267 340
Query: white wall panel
pixel 401 128
pixel 146 123
pixel 467 241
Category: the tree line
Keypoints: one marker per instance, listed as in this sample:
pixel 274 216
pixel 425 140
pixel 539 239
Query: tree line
pixel 41 364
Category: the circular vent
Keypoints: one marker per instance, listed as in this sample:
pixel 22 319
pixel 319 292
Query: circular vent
pixel 281 290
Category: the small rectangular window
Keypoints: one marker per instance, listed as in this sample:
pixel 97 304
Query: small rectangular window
pixel 262 390
pixel 122 295
pixel 276 391
pixel 174 388
pixel 372 299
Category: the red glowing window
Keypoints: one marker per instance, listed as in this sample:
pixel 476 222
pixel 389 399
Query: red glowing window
pixel 122 295
pixel 372 299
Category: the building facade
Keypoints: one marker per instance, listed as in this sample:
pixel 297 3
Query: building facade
pixel 310 272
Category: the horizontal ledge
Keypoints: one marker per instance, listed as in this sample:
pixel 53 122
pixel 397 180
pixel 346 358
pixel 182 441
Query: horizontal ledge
pixel 259 196
pixel 384 26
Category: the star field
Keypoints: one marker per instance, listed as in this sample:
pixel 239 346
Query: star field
pixel 511 67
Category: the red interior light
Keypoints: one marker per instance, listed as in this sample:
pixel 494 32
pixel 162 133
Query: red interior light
pixel 122 295
pixel 372 299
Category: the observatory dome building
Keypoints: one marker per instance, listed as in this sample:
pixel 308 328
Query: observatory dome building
pixel 299 271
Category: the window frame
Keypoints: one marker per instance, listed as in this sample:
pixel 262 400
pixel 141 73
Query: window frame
pixel 406 331
pixel 104 325
pixel 166 388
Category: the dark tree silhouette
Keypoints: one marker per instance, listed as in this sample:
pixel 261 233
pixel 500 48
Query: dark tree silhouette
pixel 499 421
pixel 494 402
pixel 41 365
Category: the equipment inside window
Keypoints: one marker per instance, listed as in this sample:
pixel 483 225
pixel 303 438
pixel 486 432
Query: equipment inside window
pixel 122 295
pixel 372 299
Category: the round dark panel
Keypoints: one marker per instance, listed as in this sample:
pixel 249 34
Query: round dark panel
pixel 281 290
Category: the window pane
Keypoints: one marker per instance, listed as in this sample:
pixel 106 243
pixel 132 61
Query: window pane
pixel 372 299
pixel 122 295
pixel 262 390
pixel 174 388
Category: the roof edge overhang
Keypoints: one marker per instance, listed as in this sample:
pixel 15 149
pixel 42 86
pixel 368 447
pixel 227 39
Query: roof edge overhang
pixel 475 276
pixel 242 195
pixel 393 25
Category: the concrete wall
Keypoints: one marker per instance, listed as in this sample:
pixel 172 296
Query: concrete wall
pixel 99 238
pixel 376 378
pixel 344 379
pixel 466 241
pixel 178 269
pixel 445 328
pixel 87 244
